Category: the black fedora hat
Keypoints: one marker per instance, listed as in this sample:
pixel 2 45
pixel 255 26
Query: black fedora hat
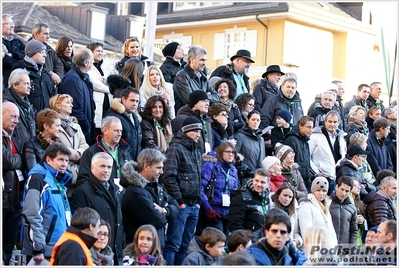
pixel 243 54
pixel 272 69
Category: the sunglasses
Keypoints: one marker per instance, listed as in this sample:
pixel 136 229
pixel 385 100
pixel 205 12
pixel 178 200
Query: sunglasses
pixel 282 232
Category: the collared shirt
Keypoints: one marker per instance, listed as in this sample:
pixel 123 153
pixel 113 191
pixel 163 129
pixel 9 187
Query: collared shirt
pixel 8 39
pixel 332 137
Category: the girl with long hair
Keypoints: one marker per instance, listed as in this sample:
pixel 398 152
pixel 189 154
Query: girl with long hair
pixel 145 249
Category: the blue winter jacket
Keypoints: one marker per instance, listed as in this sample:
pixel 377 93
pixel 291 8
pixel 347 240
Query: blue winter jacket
pixel 210 163
pixel 44 210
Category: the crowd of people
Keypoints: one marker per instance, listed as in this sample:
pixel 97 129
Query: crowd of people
pixel 177 165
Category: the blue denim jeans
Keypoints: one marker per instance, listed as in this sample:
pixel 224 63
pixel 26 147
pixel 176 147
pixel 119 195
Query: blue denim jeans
pixel 179 234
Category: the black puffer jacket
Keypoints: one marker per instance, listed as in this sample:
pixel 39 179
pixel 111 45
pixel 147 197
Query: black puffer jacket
pixel 186 82
pixel 300 145
pixel 379 208
pixel 279 102
pixel 26 128
pixel 182 171
pixel 262 92
pixel 138 204
pixel 344 218
pixel 42 86
pixel 11 162
pixel 170 68
pixel 107 203
pixel 348 168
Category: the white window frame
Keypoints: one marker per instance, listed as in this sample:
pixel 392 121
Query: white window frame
pixel 226 43
pixel 184 40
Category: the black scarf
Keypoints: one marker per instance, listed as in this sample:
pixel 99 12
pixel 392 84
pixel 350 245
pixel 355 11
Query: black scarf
pixel 23 102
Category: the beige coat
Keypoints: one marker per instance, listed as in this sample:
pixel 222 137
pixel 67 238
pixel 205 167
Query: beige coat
pixel 77 145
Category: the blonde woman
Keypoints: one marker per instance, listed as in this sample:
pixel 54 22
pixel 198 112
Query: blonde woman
pixel 154 84
pixel 132 49
pixel 315 237
pixel 314 211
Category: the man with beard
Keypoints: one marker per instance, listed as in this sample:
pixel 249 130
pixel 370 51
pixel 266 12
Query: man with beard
pixel 237 71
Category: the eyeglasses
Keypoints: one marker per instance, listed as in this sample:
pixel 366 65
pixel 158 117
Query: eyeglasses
pixel 229 152
pixel 282 232
pixel 308 127
pixel 250 104
pixel 224 114
pixel 99 234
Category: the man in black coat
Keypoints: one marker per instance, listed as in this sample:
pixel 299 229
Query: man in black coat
pixel 268 86
pixel 286 99
pixel 298 139
pixel 173 63
pixel 145 201
pixel 236 71
pixel 17 93
pixel 380 205
pixel 352 166
pixel 125 109
pixel 192 78
pixel 12 179
pixel 101 193
pixel 109 142
pixel 77 84
pixel 14 47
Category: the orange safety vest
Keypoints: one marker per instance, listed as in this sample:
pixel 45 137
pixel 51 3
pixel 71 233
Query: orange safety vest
pixel 74 237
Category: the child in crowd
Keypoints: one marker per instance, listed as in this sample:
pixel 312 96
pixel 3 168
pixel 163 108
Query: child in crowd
pixel 101 252
pixel 145 249
pixel 239 240
pixel 206 249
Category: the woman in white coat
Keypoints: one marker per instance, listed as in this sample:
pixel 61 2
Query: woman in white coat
pixel 314 211
pixel 101 94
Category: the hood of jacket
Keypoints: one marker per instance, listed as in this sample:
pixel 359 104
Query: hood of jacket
pixel 210 156
pixel 318 106
pixel 131 174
